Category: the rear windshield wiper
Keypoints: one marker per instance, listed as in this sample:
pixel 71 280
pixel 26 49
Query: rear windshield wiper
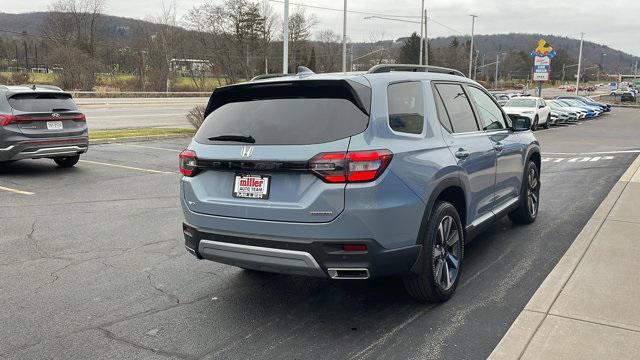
pixel 238 138
pixel 60 109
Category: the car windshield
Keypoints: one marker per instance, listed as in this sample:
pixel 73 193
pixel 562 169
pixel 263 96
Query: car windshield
pixel 521 102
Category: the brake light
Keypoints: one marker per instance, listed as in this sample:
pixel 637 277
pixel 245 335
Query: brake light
pixel 6 119
pixel 188 163
pixel 353 166
pixel 79 117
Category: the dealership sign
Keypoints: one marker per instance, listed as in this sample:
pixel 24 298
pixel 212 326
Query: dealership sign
pixel 541 68
pixel 542 61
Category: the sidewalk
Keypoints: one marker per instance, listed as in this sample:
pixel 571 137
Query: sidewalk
pixel 589 305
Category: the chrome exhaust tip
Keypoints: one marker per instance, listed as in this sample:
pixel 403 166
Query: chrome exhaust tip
pixel 348 273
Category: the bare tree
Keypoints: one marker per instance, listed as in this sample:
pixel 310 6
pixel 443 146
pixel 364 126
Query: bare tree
pixel 300 26
pixel 161 41
pixel 329 51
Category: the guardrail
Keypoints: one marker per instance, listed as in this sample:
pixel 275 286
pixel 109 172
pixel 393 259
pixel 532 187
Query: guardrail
pixel 137 94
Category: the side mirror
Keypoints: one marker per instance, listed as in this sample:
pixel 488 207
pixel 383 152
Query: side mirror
pixel 520 123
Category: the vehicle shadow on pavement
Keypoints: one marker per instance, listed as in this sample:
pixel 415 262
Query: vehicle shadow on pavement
pixel 34 169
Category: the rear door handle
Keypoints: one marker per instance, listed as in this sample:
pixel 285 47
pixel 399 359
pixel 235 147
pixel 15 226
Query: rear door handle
pixel 462 154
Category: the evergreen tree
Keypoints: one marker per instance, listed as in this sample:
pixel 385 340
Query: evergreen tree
pixel 311 64
pixel 410 51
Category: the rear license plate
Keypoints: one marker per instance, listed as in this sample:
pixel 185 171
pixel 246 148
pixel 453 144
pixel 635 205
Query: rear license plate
pixel 54 125
pixel 251 186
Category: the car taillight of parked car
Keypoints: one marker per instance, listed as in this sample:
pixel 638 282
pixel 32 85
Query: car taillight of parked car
pixel 188 163
pixel 10 119
pixel 350 167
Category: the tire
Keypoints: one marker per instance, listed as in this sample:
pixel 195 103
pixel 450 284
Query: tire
pixel 534 125
pixel 546 124
pixel 529 203
pixel 431 285
pixel 65 162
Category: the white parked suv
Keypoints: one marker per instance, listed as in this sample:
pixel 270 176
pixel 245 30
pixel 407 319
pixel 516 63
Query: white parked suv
pixel 534 108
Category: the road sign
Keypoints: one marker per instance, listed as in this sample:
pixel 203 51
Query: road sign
pixel 541 68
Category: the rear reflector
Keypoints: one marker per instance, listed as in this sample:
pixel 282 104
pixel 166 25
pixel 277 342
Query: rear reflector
pixel 188 163
pixel 353 166
pixel 354 247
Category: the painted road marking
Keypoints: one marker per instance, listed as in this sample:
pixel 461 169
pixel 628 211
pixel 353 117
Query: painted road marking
pixel 127 167
pixel 147 147
pixel 16 191
pixel 577 159
pixel 596 153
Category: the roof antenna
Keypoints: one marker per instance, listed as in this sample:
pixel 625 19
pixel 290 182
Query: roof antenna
pixel 303 70
pixel 33 87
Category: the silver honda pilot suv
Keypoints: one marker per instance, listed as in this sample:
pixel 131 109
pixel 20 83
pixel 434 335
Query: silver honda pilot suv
pixel 356 175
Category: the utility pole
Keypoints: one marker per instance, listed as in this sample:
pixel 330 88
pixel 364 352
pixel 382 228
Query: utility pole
pixel 579 65
pixel 422 19
pixel 563 68
pixel 16 56
pixel 473 25
pixel 426 39
pixel 495 82
pixel 351 59
pixel 26 56
pixel 285 39
pixel 635 71
pixel 344 38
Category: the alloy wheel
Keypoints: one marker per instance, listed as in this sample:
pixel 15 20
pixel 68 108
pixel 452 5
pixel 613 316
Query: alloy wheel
pixel 446 253
pixel 533 192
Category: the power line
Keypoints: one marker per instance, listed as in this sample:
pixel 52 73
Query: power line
pixel 342 10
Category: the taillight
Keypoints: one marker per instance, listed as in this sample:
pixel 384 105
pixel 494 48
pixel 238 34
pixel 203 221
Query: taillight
pixel 79 117
pixel 6 119
pixel 188 163
pixel 353 166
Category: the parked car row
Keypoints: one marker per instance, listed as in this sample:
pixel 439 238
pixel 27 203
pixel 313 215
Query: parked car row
pixel 561 110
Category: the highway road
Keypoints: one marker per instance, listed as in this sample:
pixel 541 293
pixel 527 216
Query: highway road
pixel 116 113
pixel 93 266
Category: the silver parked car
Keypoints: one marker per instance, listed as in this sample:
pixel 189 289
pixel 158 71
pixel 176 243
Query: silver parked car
pixel 39 121
pixel 356 175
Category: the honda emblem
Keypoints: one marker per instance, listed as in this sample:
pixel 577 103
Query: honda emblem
pixel 246 151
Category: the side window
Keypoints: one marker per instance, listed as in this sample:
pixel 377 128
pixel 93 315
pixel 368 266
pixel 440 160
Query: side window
pixel 442 113
pixel 490 113
pixel 406 107
pixel 457 107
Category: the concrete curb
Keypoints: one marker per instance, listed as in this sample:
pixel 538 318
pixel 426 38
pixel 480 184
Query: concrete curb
pixel 515 342
pixel 137 139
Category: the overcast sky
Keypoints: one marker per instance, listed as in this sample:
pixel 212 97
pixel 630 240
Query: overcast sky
pixel 611 22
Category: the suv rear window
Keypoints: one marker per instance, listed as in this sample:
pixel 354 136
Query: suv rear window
pixel 42 102
pixel 300 113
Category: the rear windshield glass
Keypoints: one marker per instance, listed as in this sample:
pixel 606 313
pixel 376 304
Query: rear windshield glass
pixel 521 103
pixel 43 102
pixel 280 117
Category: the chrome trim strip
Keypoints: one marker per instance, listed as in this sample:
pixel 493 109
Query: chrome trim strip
pixel 270 259
pixel 55 150
pixel 8 148
pixel 333 273
pixel 491 214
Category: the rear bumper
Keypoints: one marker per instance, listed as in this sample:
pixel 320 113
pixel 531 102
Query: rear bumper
pixel 297 256
pixel 45 148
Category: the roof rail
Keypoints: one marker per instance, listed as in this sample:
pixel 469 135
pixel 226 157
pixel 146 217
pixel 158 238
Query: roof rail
pixel 381 68
pixel 48 87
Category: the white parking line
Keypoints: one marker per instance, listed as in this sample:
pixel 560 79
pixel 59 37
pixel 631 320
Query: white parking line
pixel 595 153
pixel 128 167
pixel 16 191
pixel 147 147
pixel 577 159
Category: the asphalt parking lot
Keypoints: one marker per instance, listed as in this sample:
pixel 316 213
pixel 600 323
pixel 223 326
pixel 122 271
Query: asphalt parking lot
pixel 92 265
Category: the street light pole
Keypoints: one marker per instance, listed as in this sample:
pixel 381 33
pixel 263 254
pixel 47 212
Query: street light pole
pixel 285 39
pixel 473 25
pixel 421 33
pixel 344 38
pixel 579 65
pixel 426 38
pixel 495 81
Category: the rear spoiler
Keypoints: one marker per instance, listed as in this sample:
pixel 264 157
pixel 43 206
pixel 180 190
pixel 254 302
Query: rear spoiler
pixel 355 92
